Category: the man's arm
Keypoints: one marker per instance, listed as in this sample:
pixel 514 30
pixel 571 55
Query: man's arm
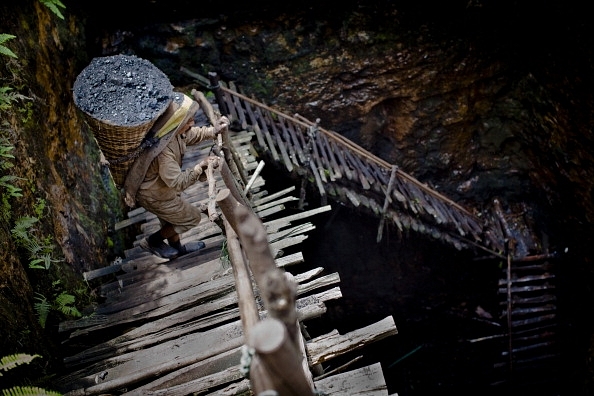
pixel 197 134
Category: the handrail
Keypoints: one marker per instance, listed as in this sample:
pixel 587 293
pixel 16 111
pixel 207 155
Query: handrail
pixel 353 147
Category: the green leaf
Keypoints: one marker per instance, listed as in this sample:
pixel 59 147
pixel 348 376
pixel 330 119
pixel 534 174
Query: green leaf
pixel 4 37
pixel 4 50
pixel 53 6
pixel 11 361
pixel 42 307
pixel 34 264
pixel 64 300
pixel 28 391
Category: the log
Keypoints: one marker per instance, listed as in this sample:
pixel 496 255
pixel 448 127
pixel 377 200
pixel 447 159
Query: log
pixel 277 366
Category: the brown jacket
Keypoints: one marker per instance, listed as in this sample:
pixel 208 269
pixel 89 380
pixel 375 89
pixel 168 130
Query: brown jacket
pixel 164 172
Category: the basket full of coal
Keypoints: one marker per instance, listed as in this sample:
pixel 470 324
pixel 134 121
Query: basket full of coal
pixel 121 97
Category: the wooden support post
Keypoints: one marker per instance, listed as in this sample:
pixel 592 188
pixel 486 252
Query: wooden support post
pixel 231 183
pixel 225 145
pixel 216 88
pixel 212 209
pixel 227 202
pixel 276 366
pixel 248 311
pixel 386 203
pixel 245 293
pixel 254 177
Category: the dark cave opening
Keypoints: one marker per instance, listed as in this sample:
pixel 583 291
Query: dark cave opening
pixel 445 303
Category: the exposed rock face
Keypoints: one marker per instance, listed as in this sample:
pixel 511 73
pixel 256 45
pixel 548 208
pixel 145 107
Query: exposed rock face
pixel 57 163
pixel 445 92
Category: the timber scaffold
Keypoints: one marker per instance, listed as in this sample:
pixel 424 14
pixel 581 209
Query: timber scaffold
pixel 228 319
pixel 351 175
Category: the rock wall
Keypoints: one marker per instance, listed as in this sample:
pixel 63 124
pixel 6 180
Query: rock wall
pixel 57 161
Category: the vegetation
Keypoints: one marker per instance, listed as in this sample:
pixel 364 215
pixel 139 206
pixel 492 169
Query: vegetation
pixel 20 219
pixel 54 6
pixel 10 362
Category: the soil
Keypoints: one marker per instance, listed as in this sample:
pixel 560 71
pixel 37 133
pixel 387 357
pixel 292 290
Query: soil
pixel 122 90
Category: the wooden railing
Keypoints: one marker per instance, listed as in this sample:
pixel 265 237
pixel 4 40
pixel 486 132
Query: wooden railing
pixel 277 360
pixel 357 176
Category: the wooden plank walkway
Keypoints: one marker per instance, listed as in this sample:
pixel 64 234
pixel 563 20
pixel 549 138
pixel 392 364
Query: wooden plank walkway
pixel 173 327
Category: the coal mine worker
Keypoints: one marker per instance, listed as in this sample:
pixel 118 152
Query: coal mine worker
pixel 160 191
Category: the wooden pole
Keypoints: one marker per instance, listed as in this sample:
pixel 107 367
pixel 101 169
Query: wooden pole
pixel 386 203
pixel 215 85
pixel 212 209
pixel 277 366
pixel 246 299
pixel 224 140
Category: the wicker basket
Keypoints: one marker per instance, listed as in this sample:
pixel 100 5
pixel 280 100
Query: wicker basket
pixel 116 142
pixel 119 142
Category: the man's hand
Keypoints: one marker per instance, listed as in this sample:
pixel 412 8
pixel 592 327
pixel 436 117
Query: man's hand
pixel 222 123
pixel 202 165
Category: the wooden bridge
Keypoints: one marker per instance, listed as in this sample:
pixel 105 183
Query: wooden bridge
pixel 216 322
pixel 183 327
pixel 347 173
pixel 351 175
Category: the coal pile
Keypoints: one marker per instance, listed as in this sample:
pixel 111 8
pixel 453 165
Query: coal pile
pixel 122 90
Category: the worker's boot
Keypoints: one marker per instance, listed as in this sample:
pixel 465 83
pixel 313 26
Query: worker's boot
pixel 189 247
pixel 157 246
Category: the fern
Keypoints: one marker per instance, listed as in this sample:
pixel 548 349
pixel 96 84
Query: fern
pixel 11 190
pixel 5 150
pixel 11 361
pixel 46 259
pixel 53 6
pixel 28 391
pixel 4 50
pixel 43 308
pixel 63 304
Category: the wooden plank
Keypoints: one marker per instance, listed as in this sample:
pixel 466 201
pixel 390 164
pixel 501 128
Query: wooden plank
pixel 134 367
pixel 238 107
pixel 97 273
pixel 267 135
pixel 327 346
pixel 341 158
pixel 156 308
pixel 318 177
pixel 331 155
pixel 209 373
pixel 368 381
pixel 270 211
pixel 279 141
pixel 317 160
pixel 295 258
pixel 272 197
pixel 254 123
pixel 296 143
pixel 274 203
pixel 293 231
pixel 355 169
pixel 298 216
pixel 278 246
